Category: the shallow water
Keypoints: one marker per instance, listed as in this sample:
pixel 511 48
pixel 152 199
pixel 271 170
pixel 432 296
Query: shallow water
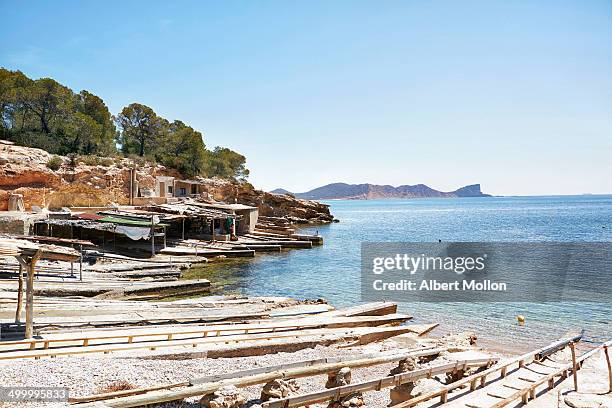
pixel 332 271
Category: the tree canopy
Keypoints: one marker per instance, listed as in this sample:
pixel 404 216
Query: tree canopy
pixel 43 113
pixel 46 114
pixel 227 163
pixel 141 129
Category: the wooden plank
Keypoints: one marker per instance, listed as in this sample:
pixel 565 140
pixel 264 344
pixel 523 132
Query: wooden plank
pixel 357 361
pixel 124 393
pixel 230 253
pixel 367 309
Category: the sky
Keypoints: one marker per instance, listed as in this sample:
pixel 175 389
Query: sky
pixel 516 96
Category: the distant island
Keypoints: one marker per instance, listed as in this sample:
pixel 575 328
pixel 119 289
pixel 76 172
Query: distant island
pixel 373 191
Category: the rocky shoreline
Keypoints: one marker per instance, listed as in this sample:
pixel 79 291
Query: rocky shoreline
pixel 101 181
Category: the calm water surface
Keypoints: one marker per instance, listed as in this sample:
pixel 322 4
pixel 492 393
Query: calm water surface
pixel 332 271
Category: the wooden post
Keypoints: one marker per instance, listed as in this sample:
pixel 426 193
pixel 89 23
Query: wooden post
pixel 81 262
pixel 183 235
pixel 29 330
pixel 213 229
pixel 164 236
pixel 574 365
pixel 19 293
pixel 71 269
pixel 131 188
pixel 152 238
pixel 609 368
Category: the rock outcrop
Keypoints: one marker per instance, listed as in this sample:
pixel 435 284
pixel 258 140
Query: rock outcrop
pixel 279 388
pixel 339 379
pixel 402 392
pixel 226 397
pixel 24 170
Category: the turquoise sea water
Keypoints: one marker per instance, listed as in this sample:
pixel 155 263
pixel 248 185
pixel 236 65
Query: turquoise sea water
pixel 332 271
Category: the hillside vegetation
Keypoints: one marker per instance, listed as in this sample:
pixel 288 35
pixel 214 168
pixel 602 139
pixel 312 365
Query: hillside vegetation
pixel 45 114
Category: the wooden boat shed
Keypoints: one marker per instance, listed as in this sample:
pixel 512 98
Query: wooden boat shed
pixel 106 231
pixel 199 220
pixel 129 227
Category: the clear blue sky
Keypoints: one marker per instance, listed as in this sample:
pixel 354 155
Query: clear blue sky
pixel 515 95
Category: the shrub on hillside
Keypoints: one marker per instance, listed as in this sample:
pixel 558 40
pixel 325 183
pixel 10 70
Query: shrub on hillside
pixel 55 163
pixel 92 160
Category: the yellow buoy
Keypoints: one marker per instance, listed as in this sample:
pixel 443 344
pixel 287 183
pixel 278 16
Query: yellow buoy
pixel 521 320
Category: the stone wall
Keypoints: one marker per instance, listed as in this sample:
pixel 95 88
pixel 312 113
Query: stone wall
pixel 19 223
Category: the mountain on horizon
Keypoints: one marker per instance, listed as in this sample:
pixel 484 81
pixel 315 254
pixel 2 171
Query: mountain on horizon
pixel 281 191
pixel 373 191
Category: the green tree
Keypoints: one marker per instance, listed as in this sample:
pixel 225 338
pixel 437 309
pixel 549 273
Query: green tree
pixel 50 101
pixel 183 149
pixel 102 141
pixel 12 87
pixel 140 129
pixel 82 134
pixel 226 163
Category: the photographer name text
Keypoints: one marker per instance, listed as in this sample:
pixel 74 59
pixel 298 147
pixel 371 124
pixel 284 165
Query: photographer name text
pixel 437 286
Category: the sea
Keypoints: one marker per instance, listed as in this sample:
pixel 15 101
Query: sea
pixel 332 271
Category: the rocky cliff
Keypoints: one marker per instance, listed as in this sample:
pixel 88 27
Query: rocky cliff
pixel 374 191
pixel 24 171
pixel 269 204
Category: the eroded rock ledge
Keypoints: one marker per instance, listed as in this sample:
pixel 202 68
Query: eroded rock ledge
pixel 24 170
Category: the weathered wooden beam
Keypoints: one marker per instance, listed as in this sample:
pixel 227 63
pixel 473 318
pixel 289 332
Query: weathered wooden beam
pixel 574 365
pixel 19 295
pixel 29 329
pixel 605 347
pixel 368 309
pixel 375 384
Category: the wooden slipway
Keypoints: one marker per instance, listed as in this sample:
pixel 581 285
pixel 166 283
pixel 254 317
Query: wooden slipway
pixel 208 252
pixel 197 386
pixel 231 345
pixel 126 287
pixel 520 378
pixel 377 384
pixel 297 371
pixel 145 335
pixel 367 309
pixel 173 314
